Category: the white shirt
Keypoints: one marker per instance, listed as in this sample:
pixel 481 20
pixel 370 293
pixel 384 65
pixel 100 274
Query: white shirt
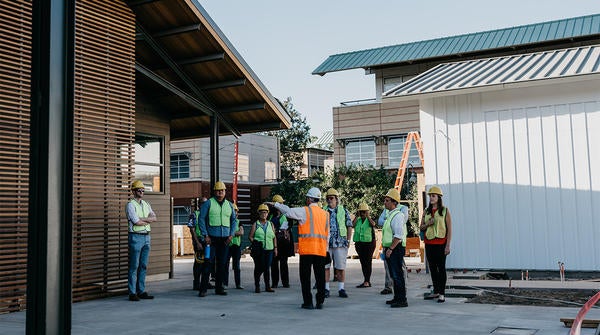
pixel 296 213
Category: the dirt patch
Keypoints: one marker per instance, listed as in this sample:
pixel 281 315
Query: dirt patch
pixel 537 297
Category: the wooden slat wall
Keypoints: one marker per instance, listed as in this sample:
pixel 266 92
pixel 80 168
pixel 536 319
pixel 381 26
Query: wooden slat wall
pixel 103 145
pixel 15 68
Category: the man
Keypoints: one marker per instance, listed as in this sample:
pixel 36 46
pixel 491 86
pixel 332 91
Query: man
pixel 139 216
pixel 217 222
pixel 340 230
pixel 389 283
pixel 393 240
pixel 313 228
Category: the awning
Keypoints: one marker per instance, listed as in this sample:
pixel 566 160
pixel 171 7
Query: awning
pixel 188 68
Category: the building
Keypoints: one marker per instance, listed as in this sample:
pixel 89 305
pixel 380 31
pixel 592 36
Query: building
pixel 317 157
pixel 137 75
pixel 445 117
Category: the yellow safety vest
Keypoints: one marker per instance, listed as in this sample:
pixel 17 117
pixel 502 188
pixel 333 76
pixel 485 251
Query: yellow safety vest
pixel 341 219
pixel 363 231
pixel 265 237
pixel 142 210
pixel 387 236
pixel 237 240
pixel 438 230
pixel 219 215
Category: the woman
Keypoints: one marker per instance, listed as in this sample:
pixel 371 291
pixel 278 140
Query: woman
pixel 263 232
pixel 437 227
pixel 286 248
pixel 364 241
pixel 235 253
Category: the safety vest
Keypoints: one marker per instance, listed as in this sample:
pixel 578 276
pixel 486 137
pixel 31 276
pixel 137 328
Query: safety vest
pixel 219 215
pixel 341 219
pixel 363 232
pixel 197 227
pixel 438 230
pixel 266 237
pixel 387 235
pixel 237 240
pixel 282 219
pixel 142 210
pixel 312 234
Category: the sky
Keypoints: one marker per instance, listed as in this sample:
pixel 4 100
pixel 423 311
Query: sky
pixel 284 41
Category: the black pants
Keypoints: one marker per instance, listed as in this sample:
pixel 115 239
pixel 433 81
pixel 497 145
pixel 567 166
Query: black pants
pixel 219 252
pixel 262 264
pixel 196 269
pixel 395 265
pixel 365 255
pixel 436 258
pixel 280 263
pixel 204 270
pixel 235 254
pixel 318 265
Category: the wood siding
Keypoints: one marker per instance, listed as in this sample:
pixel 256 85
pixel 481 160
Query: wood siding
pixel 15 68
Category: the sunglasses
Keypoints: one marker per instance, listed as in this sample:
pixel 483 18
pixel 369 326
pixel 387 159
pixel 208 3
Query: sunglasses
pixel 140 190
pixel 330 198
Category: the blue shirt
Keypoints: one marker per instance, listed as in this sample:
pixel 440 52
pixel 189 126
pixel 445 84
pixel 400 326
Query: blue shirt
pixel 335 239
pixel 217 231
pixel 403 210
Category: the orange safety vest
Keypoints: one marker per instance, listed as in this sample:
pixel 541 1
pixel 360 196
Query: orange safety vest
pixel 312 234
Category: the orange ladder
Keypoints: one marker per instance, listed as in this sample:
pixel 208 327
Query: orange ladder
pixel 412 136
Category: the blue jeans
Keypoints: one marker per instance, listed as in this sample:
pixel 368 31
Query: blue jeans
pixel 139 249
pixel 395 265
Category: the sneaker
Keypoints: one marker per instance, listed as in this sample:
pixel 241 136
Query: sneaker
pixel 239 287
pixel 326 293
pixel 441 298
pixel 431 296
pixel 307 306
pixel 145 295
pixel 386 291
pixel 134 297
pixel 342 293
pixel 399 304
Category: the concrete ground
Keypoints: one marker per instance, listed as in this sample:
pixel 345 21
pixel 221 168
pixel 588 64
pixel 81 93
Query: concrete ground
pixel 178 310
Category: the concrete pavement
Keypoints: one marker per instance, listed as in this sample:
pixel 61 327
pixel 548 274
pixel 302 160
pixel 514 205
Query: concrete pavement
pixel 178 310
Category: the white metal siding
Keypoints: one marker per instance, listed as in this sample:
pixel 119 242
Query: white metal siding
pixel 520 174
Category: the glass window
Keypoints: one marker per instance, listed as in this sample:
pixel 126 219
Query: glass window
pixel 361 152
pixel 149 161
pixel 396 148
pixel 180 166
pixel 243 168
pixel 181 215
pixel 391 82
pixel 270 171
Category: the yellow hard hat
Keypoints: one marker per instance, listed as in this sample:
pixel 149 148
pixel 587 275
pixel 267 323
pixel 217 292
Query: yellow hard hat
pixel 263 207
pixel 363 207
pixel 394 194
pixel 219 186
pixel 278 198
pixel 137 184
pixel 235 207
pixel 332 191
pixel 435 190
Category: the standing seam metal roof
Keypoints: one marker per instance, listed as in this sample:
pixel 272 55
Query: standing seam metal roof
pixel 486 40
pixel 503 70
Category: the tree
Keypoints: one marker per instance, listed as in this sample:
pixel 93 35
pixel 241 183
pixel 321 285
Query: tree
pixel 292 142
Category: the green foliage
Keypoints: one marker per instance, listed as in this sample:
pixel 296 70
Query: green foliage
pixel 293 191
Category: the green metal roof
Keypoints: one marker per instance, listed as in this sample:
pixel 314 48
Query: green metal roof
pixel 576 27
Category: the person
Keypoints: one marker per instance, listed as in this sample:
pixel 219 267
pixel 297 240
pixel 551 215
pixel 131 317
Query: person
pixel 313 230
pixel 139 217
pixel 198 248
pixel 389 282
pixel 285 245
pixel 235 254
pixel 263 232
pixel 340 228
pixel 218 224
pixel 437 227
pixel 393 240
pixel 364 241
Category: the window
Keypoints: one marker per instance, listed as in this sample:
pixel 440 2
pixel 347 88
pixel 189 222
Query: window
pixel 395 149
pixel 181 215
pixel 270 171
pixel 180 166
pixel 149 161
pixel 391 82
pixel 361 152
pixel 243 168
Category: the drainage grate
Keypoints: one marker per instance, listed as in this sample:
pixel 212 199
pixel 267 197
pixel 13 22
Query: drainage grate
pixel 513 331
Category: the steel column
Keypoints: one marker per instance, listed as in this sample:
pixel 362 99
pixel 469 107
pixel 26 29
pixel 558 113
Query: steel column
pixel 214 150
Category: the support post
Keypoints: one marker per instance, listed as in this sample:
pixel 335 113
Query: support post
pixel 214 150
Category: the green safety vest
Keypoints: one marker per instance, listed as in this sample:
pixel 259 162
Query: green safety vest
pixel 341 219
pixel 265 237
pixel 219 215
pixel 387 234
pixel 142 210
pixel 363 232
pixel 237 240
pixel 438 230
pixel 197 227
pixel 282 219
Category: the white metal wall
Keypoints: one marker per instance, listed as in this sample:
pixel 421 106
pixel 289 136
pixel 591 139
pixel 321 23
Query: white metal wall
pixel 520 170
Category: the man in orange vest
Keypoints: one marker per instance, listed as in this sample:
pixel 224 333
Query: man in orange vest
pixel 313 236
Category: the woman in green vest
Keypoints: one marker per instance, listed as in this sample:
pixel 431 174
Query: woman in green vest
pixel 437 227
pixel 262 231
pixel 235 253
pixel 364 241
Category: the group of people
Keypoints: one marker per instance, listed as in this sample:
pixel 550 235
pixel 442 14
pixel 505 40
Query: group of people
pixel 323 240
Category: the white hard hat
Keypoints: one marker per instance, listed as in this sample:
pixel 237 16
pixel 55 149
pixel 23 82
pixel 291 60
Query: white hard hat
pixel 314 193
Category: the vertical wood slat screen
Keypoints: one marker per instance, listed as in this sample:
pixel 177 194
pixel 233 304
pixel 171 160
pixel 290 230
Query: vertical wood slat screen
pixel 103 145
pixel 15 68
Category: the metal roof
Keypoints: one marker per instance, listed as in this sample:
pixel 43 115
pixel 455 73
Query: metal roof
pixel 324 142
pixel 531 34
pixel 487 72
